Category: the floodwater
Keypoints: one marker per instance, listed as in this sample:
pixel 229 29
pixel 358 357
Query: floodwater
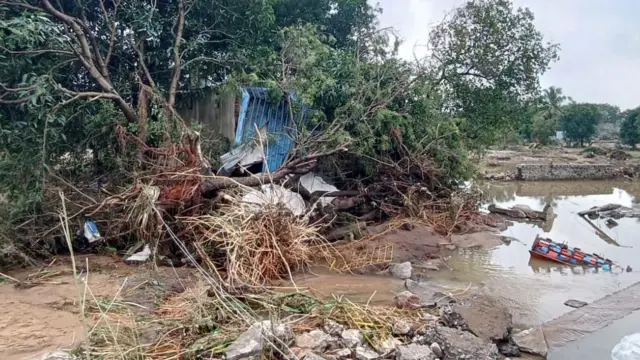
pixel 535 290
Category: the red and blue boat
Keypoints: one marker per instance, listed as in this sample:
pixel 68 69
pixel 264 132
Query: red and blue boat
pixel 547 249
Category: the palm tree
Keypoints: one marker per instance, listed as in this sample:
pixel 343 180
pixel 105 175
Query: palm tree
pixel 547 118
pixel 552 100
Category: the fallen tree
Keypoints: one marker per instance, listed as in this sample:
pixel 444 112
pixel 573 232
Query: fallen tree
pixel 298 166
pixel 521 212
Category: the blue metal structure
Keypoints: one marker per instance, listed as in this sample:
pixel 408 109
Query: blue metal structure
pixel 256 112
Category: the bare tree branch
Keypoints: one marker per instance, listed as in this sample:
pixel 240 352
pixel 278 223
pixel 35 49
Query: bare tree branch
pixel 173 87
pixel 111 24
pixel 37 52
pixel 86 58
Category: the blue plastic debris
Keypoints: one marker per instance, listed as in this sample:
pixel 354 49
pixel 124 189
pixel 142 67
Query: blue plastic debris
pixel 258 111
pixel 91 232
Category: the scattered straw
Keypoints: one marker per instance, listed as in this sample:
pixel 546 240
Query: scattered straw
pixel 267 244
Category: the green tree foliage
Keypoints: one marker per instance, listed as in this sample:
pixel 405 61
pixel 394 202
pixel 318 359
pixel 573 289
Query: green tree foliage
pixel 70 71
pixel 552 101
pixel 488 56
pixel 629 129
pixel 579 122
pixel 546 119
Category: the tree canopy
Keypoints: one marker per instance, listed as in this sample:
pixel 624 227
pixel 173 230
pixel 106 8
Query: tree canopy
pixel 629 129
pixel 71 72
pixel 579 122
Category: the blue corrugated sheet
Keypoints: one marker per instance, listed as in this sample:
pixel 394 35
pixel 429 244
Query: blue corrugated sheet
pixel 257 111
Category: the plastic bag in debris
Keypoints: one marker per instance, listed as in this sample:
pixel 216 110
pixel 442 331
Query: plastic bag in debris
pixel 627 349
pixel 275 194
pixel 140 256
pixel 91 232
pixel 313 183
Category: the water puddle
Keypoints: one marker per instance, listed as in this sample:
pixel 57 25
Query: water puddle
pixel 536 290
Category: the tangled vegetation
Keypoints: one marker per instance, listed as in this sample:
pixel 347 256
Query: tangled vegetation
pixel 92 95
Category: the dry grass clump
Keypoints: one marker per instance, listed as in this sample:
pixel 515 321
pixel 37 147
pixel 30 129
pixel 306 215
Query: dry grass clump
pixel 258 244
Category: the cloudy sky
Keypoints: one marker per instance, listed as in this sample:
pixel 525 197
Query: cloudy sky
pixel 599 39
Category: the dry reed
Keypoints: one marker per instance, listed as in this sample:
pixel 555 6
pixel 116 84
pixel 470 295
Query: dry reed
pixel 258 244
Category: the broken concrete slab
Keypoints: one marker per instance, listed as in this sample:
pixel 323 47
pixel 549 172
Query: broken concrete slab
pixel 531 341
pixel 484 316
pixel 414 352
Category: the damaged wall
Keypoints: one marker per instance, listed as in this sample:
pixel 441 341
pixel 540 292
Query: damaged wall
pixel 217 112
pixel 565 171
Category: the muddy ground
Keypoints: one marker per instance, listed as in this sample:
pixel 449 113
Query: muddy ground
pixel 43 310
pixel 42 313
pixel 505 161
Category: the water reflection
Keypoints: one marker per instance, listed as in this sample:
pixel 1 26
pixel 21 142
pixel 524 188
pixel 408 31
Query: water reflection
pixel 537 289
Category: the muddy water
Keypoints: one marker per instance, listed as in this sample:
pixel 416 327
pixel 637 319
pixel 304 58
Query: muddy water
pixel 535 290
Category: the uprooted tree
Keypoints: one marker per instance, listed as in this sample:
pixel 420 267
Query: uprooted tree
pixel 108 75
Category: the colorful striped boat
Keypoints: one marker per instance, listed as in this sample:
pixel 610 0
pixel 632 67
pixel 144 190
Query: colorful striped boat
pixel 549 250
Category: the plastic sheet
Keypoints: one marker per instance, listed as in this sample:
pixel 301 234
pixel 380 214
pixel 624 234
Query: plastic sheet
pixel 627 349
pixel 275 194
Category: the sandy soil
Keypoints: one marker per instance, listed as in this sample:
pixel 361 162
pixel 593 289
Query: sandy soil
pixel 44 316
pixel 417 244
pixel 47 316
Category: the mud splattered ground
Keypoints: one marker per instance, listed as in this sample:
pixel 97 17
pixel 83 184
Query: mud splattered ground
pixel 43 313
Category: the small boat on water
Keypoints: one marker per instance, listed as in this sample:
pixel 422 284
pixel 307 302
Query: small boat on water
pixel 547 249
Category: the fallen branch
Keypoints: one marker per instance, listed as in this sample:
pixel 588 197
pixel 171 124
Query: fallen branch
pixel 299 166
pixel 344 231
pixel 520 213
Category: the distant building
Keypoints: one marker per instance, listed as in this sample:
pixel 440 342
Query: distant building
pixel 559 135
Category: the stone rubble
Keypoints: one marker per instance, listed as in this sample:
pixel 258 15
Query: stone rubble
pixel 388 346
pixel 436 349
pixel 457 344
pixel 316 340
pixel 333 328
pixel 352 338
pixel 252 342
pixel 407 300
pixel 400 327
pixel 531 341
pixel 414 352
pixel 402 271
pixel 366 353
pixel 312 356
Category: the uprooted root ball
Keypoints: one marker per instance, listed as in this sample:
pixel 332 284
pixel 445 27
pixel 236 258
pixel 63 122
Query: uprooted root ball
pixel 259 245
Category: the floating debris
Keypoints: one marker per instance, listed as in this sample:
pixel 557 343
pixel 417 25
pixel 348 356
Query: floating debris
pixel 549 250
pixel 575 303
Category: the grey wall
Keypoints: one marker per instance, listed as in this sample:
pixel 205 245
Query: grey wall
pixel 565 171
pixel 217 112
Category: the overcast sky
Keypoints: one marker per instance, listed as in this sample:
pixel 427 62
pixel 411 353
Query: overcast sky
pixel 599 39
